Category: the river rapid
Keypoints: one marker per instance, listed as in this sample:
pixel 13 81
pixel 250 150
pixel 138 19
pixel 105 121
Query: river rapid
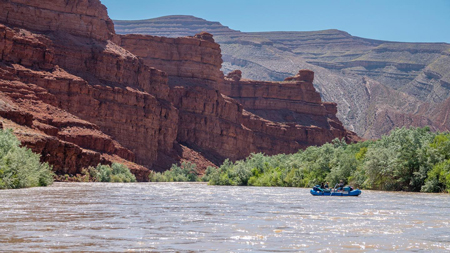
pixel 184 217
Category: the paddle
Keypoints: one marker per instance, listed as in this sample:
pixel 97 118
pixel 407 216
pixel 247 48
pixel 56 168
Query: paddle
pixel 333 189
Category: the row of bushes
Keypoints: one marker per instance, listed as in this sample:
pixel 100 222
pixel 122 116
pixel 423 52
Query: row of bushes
pixel 117 173
pixel 187 172
pixel 408 159
pixel 19 167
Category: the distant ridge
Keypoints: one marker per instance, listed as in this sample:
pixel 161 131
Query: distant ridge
pixel 171 26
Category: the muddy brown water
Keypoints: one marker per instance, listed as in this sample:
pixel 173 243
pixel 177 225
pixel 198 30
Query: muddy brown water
pixel 155 217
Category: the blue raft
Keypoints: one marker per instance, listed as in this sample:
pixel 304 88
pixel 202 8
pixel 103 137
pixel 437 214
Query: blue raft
pixel 317 191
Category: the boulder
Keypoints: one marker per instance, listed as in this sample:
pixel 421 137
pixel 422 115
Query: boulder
pixel 304 75
pixel 235 75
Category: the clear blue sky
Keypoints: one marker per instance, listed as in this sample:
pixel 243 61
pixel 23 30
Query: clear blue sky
pixel 394 20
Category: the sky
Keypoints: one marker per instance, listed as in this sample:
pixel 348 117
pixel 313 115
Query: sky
pixel 392 20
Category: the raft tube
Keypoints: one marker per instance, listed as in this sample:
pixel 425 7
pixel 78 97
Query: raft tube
pixel 354 193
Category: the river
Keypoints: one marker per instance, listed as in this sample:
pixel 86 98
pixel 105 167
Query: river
pixel 141 217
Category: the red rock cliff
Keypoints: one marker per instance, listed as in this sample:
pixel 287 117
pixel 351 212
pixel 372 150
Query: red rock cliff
pixel 294 102
pixel 193 59
pixel 80 95
pixel 291 114
pixel 87 18
pixel 89 77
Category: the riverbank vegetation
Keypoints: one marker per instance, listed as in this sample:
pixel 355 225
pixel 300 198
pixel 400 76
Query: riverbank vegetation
pixel 117 173
pixel 19 166
pixel 408 159
pixel 187 172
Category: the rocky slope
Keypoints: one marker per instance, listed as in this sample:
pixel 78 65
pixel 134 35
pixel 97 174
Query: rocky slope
pixel 74 91
pixel 351 71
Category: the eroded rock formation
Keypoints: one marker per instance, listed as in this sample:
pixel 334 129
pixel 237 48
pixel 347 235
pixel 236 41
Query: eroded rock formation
pixel 231 118
pixel 193 59
pixel 294 102
pixel 87 18
pixel 87 76
pixel 80 95
pixel 305 75
pixel 350 70
pixel 235 75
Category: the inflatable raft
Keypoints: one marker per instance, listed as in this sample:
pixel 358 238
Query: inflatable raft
pixel 348 191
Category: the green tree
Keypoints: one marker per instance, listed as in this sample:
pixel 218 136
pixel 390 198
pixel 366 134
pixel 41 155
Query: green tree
pixel 19 166
pixel 187 172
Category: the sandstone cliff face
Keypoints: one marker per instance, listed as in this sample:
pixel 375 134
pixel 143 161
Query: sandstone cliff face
pixel 80 95
pixel 207 121
pixel 63 140
pixel 195 60
pixel 298 96
pixel 221 128
pixel 212 123
pixel 94 79
pixel 87 18
pixel 291 114
pixel 293 103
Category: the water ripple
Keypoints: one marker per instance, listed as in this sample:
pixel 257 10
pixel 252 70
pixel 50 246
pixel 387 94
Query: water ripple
pixel 193 217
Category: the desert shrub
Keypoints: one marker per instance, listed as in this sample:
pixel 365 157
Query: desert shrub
pixel 104 172
pixel 438 154
pixel 209 172
pixel 187 172
pixel 399 161
pixel 438 178
pixel 19 166
pixel 121 173
pixel 115 173
pixel 272 177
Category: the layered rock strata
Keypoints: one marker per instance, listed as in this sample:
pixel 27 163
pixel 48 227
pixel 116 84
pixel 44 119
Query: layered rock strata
pixel 296 95
pixel 87 18
pixel 246 117
pixel 63 140
pixel 89 76
pixel 194 60
pixel 294 102
pixel 80 95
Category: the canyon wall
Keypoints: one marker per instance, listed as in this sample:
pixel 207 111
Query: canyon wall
pixel 80 95
pixel 89 77
pixel 192 59
pixel 293 100
pixel 227 118
pixel 293 103
pixel 87 18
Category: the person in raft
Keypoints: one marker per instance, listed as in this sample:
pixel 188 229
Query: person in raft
pixel 326 185
pixel 340 186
